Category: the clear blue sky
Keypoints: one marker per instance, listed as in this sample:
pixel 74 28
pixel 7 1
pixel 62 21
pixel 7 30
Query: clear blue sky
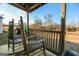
pixel 50 8
pixel 72 13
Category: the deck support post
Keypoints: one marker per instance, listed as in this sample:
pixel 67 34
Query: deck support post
pixel 62 36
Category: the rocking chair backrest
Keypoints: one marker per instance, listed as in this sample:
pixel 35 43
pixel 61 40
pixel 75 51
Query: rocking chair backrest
pixel 23 34
pixel 11 30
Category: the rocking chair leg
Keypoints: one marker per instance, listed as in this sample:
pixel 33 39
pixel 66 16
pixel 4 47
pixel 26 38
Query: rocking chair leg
pixel 27 51
pixel 44 49
pixel 13 48
pixel 8 45
pixel 27 54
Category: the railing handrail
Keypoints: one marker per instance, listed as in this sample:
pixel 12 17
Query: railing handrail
pixel 45 30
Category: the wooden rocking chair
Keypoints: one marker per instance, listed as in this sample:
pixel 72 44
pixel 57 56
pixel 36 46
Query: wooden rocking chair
pixel 32 44
pixel 12 37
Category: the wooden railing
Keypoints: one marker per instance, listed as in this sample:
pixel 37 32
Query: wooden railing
pixel 52 39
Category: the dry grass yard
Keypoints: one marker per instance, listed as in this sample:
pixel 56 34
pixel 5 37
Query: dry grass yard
pixel 72 41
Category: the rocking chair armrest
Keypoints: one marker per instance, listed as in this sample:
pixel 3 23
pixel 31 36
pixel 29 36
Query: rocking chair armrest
pixel 30 37
pixel 39 41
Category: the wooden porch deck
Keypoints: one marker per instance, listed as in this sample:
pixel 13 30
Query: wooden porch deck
pixel 4 51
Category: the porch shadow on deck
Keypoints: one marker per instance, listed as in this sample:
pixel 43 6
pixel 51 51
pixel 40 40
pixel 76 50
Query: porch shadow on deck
pixel 4 51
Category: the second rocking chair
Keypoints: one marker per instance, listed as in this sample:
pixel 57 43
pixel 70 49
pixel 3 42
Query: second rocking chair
pixel 33 44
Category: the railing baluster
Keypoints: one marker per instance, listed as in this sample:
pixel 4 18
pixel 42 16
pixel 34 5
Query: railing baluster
pixel 50 40
pixel 47 39
pixel 53 41
pixel 59 44
pixel 56 42
pixel 38 33
pixel 43 34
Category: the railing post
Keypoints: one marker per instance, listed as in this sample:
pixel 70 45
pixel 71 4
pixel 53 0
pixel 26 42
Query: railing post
pixel 62 35
pixel 13 35
pixel 28 23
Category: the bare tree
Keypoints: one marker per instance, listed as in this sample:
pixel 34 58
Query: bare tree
pixel 49 19
pixel 38 20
